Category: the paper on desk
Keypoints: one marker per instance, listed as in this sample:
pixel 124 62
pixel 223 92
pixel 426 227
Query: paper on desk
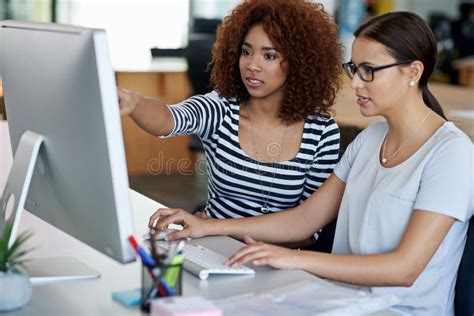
pixel 309 297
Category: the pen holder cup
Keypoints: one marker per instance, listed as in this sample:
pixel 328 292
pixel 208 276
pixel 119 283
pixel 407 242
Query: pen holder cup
pixel 161 281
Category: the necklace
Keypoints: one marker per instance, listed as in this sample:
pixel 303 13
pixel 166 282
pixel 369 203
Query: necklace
pixel 387 159
pixel 265 208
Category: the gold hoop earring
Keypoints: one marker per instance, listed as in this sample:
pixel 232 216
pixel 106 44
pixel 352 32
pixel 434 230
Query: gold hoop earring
pixel 411 83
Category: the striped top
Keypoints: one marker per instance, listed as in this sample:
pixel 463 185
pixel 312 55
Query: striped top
pixel 238 185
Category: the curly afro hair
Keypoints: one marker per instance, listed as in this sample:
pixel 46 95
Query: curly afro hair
pixel 307 38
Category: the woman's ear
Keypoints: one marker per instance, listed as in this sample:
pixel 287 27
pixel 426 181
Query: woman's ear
pixel 415 70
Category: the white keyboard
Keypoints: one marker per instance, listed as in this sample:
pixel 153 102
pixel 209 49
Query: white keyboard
pixel 202 261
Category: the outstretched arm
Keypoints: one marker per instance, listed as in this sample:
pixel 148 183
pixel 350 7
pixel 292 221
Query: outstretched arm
pixel 149 113
pixel 424 234
pixel 287 226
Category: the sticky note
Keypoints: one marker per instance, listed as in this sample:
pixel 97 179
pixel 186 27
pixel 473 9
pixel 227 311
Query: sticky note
pixel 128 297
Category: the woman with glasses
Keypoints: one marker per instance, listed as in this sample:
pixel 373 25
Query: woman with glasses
pixel 266 130
pixel 401 191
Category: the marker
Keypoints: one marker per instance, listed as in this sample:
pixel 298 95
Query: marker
pixel 144 256
pixel 171 274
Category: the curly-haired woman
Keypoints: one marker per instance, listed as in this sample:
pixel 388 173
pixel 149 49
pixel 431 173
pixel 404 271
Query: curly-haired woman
pixel 266 130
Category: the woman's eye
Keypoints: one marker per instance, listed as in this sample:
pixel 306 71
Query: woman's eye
pixel 367 69
pixel 245 52
pixel 353 68
pixel 270 56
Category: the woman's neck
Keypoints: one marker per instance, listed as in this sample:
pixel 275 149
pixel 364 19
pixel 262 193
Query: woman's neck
pixel 264 111
pixel 402 120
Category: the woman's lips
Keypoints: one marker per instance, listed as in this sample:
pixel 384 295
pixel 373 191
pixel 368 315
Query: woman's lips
pixel 253 82
pixel 362 101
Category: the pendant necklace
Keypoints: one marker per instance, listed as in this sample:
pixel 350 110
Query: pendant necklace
pixel 387 159
pixel 265 208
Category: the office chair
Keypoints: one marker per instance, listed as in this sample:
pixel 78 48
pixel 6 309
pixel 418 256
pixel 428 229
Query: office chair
pixel 198 55
pixel 205 25
pixel 464 297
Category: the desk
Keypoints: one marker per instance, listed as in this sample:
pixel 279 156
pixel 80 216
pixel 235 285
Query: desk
pixel 93 297
pixel 465 67
pixel 457 103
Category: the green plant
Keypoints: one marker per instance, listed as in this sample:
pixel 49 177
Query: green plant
pixel 15 255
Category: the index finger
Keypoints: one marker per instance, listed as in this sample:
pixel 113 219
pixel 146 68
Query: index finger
pixel 120 92
pixel 241 256
pixel 160 212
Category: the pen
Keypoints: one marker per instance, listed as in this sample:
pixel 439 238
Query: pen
pixel 168 288
pixel 144 256
pixel 161 287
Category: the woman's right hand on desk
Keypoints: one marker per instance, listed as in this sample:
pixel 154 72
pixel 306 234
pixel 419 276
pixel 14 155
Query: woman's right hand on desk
pixel 128 101
pixel 193 226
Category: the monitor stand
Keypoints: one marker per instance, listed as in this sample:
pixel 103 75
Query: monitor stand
pixel 57 269
pixel 12 203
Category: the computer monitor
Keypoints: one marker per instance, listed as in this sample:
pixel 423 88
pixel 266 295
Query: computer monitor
pixel 62 107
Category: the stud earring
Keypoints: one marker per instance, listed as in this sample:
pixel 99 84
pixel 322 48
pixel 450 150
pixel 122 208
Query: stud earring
pixel 411 83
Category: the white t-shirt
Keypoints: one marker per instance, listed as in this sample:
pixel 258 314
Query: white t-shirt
pixel 378 203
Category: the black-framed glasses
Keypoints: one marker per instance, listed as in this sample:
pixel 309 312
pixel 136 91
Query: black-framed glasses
pixel 366 72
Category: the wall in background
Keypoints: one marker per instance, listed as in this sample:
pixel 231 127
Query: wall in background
pixel 133 26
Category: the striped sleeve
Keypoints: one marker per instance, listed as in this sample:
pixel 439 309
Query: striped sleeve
pixel 325 159
pixel 200 115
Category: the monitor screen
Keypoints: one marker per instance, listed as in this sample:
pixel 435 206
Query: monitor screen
pixel 59 82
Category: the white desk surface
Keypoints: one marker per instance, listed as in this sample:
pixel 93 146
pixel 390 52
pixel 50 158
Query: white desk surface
pixel 94 297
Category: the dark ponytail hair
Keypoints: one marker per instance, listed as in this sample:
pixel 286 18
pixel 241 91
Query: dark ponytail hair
pixel 407 37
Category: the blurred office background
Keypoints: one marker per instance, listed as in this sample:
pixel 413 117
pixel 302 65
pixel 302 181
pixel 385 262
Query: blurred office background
pixel 135 26
pixel 161 48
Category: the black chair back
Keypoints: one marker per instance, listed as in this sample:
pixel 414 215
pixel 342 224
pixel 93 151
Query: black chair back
pixel 464 295
pixel 198 56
